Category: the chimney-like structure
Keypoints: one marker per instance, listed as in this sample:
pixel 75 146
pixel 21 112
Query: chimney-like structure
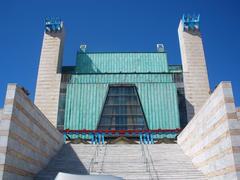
pixel 195 76
pixel 49 72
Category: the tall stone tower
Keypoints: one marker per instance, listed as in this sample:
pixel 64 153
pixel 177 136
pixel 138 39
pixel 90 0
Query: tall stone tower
pixel 195 76
pixel 49 72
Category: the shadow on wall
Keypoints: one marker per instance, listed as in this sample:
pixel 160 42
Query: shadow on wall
pixel 86 65
pixel 194 33
pixel 190 111
pixel 183 103
pixel 66 161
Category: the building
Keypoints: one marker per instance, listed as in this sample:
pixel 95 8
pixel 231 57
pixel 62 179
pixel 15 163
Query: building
pixel 122 90
pixel 121 98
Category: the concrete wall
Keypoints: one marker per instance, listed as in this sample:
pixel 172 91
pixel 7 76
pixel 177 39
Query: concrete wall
pixel 212 137
pixel 195 76
pixel 1 111
pixel 27 139
pixel 238 112
pixel 49 75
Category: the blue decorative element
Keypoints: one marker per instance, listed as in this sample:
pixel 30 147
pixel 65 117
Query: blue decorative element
pixel 141 138
pixel 148 139
pixel 151 137
pixel 103 138
pixel 191 22
pixel 92 138
pixel 64 137
pixel 53 25
pixel 98 138
pixel 144 138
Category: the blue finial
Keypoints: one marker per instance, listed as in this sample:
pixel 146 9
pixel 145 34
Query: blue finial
pixel 191 22
pixel 53 24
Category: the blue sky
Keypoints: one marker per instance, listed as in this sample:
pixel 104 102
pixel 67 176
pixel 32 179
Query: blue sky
pixel 117 25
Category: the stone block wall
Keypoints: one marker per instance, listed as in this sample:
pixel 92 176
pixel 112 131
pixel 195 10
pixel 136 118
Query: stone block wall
pixel 212 137
pixel 195 75
pixel 238 112
pixel 49 75
pixel 1 110
pixel 27 139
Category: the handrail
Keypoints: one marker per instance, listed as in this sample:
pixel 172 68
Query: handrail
pixel 154 169
pixel 105 151
pixel 146 161
pixel 92 162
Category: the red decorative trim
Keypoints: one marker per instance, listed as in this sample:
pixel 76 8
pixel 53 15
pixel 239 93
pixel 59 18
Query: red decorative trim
pixel 84 131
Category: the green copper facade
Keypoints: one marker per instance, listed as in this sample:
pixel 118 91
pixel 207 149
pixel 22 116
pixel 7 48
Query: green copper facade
pixel 89 81
pixel 86 94
pixel 121 62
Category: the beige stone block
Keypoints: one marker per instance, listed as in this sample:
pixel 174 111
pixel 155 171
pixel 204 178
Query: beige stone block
pixel 3 141
pixel 195 72
pixel 212 137
pixel 27 139
pixel 1 113
pixel 49 81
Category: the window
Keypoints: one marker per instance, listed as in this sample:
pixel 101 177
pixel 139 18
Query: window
pixel 122 110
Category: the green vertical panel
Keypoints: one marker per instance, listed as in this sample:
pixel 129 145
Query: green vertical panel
pixel 83 105
pixel 159 101
pixel 86 94
pixel 121 78
pixel 121 62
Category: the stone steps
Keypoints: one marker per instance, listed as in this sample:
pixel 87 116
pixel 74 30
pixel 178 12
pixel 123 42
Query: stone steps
pixel 158 161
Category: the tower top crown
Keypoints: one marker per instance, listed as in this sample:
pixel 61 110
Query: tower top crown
pixel 191 22
pixel 53 24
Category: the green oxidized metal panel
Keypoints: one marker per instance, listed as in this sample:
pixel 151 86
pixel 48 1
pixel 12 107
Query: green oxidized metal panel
pixel 121 62
pixel 175 68
pixel 160 105
pixel 121 78
pixel 86 94
pixel 83 105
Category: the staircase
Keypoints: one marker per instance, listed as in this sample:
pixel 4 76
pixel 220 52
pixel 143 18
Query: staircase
pixel 157 161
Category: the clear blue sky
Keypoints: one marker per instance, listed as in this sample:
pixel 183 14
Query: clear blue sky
pixel 117 25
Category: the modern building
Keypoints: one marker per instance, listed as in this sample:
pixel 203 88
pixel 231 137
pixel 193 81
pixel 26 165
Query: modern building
pixel 122 90
pixel 131 115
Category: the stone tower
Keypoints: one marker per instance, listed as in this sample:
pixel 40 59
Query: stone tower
pixel 49 72
pixel 195 76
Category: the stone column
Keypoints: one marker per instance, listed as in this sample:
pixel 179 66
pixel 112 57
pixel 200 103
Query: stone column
pixel 49 72
pixel 195 76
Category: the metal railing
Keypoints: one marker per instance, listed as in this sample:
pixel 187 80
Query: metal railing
pixel 146 161
pixel 93 160
pixel 151 162
pixel 103 158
